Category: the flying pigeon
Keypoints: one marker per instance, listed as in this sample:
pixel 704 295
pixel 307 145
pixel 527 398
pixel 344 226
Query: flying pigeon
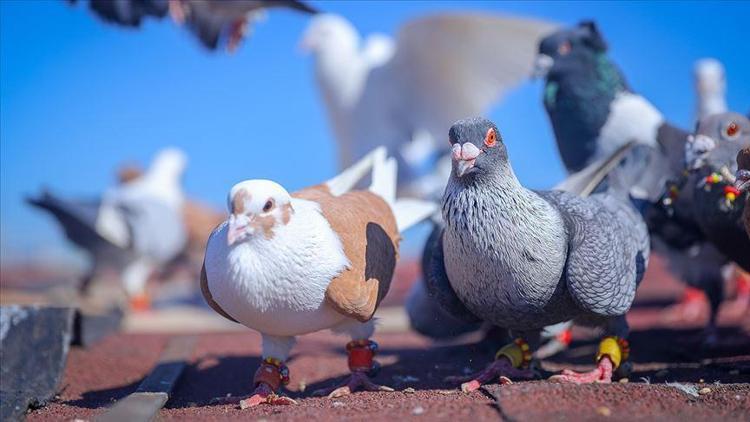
pixel 593 112
pixel 710 88
pixel 321 258
pixel 718 206
pixel 405 92
pixel 132 228
pixel 524 259
pixel 214 22
pixel 743 182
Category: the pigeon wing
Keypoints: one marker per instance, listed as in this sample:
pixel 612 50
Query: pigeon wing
pixel 447 67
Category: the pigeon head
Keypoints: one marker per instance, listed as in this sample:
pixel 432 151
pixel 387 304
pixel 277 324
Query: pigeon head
pixel 569 49
pixel 256 208
pixel 477 148
pixel 743 173
pixel 329 34
pixel 716 140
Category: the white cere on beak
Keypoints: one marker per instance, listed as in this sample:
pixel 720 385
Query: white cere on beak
pixel 465 156
pixel 542 65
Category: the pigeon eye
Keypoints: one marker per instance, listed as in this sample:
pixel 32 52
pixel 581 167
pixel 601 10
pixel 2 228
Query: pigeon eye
pixel 268 205
pixel 490 139
pixel 563 48
pixel 732 130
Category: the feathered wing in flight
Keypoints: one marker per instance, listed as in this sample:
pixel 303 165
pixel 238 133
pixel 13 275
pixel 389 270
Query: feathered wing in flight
pixel 406 95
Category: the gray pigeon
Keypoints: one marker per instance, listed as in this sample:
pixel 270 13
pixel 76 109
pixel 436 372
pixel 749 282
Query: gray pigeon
pixel 717 204
pixel 128 12
pixel 524 259
pixel 132 228
pixel 593 111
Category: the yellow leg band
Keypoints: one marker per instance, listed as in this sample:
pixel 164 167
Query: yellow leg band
pixel 518 353
pixel 616 348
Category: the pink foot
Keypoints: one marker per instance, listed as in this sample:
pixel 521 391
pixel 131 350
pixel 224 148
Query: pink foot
pixel 263 394
pixel 602 373
pixel 692 308
pixel 357 380
pixel 501 368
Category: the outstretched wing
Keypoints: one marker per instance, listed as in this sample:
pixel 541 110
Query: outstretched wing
pixel 447 67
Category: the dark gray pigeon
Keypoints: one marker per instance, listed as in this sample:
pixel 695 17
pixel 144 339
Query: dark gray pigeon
pixel 524 259
pixel 128 12
pixel 214 22
pixel 226 22
pixel 718 206
pixel 743 182
pixel 593 110
pixel 132 228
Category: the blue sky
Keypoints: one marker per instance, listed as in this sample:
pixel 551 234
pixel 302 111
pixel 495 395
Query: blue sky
pixel 78 97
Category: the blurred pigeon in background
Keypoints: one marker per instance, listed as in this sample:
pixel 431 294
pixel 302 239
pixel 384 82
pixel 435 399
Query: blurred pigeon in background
pixel 743 182
pixel 133 228
pixel 128 12
pixel 214 22
pixel 523 259
pixel 710 88
pixel 405 92
pixel 593 111
pixel 718 205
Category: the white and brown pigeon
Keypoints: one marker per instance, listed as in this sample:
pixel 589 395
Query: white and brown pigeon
pixel 320 258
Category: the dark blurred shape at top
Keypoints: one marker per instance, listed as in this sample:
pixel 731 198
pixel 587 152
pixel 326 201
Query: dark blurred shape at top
pixel 215 23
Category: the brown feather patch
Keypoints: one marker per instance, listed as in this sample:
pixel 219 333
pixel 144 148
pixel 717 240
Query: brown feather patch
pixel 367 229
pixel 241 198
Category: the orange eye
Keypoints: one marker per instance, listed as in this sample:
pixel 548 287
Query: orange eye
pixel 732 130
pixel 490 139
pixel 563 48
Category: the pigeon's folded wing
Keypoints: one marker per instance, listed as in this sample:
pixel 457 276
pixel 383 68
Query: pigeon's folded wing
pixel 438 286
pixel 369 236
pixel 447 67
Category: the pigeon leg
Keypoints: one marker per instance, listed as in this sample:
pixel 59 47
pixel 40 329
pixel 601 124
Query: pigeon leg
pixel 271 374
pixel 134 278
pixel 692 307
pixel 613 350
pixel 360 351
pixel 362 366
pixel 510 361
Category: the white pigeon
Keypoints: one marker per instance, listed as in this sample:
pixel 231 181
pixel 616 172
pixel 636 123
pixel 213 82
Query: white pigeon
pixel 710 88
pixel 133 228
pixel 405 93
pixel 321 258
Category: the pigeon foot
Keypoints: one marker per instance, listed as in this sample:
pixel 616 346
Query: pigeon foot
pixel 358 380
pixel 500 369
pixel 601 374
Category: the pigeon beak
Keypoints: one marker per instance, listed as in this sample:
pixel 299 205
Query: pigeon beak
pixel 465 155
pixel 542 65
pixel 238 229
pixel 742 182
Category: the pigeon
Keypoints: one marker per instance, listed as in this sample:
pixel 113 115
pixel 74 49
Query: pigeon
pixel 404 92
pixel 718 206
pixel 710 88
pixel 743 182
pixel 132 228
pixel 524 259
pixel 320 258
pixel 593 111
pixel 129 13
pixel 214 22
pixel 429 319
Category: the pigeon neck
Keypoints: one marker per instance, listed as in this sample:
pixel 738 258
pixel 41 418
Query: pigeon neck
pixel 340 72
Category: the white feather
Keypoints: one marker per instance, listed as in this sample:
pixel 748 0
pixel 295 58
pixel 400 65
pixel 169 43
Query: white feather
pixel 631 118
pixel 277 286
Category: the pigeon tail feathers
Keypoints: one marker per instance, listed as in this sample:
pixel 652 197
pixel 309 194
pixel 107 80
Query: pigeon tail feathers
pixel 348 179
